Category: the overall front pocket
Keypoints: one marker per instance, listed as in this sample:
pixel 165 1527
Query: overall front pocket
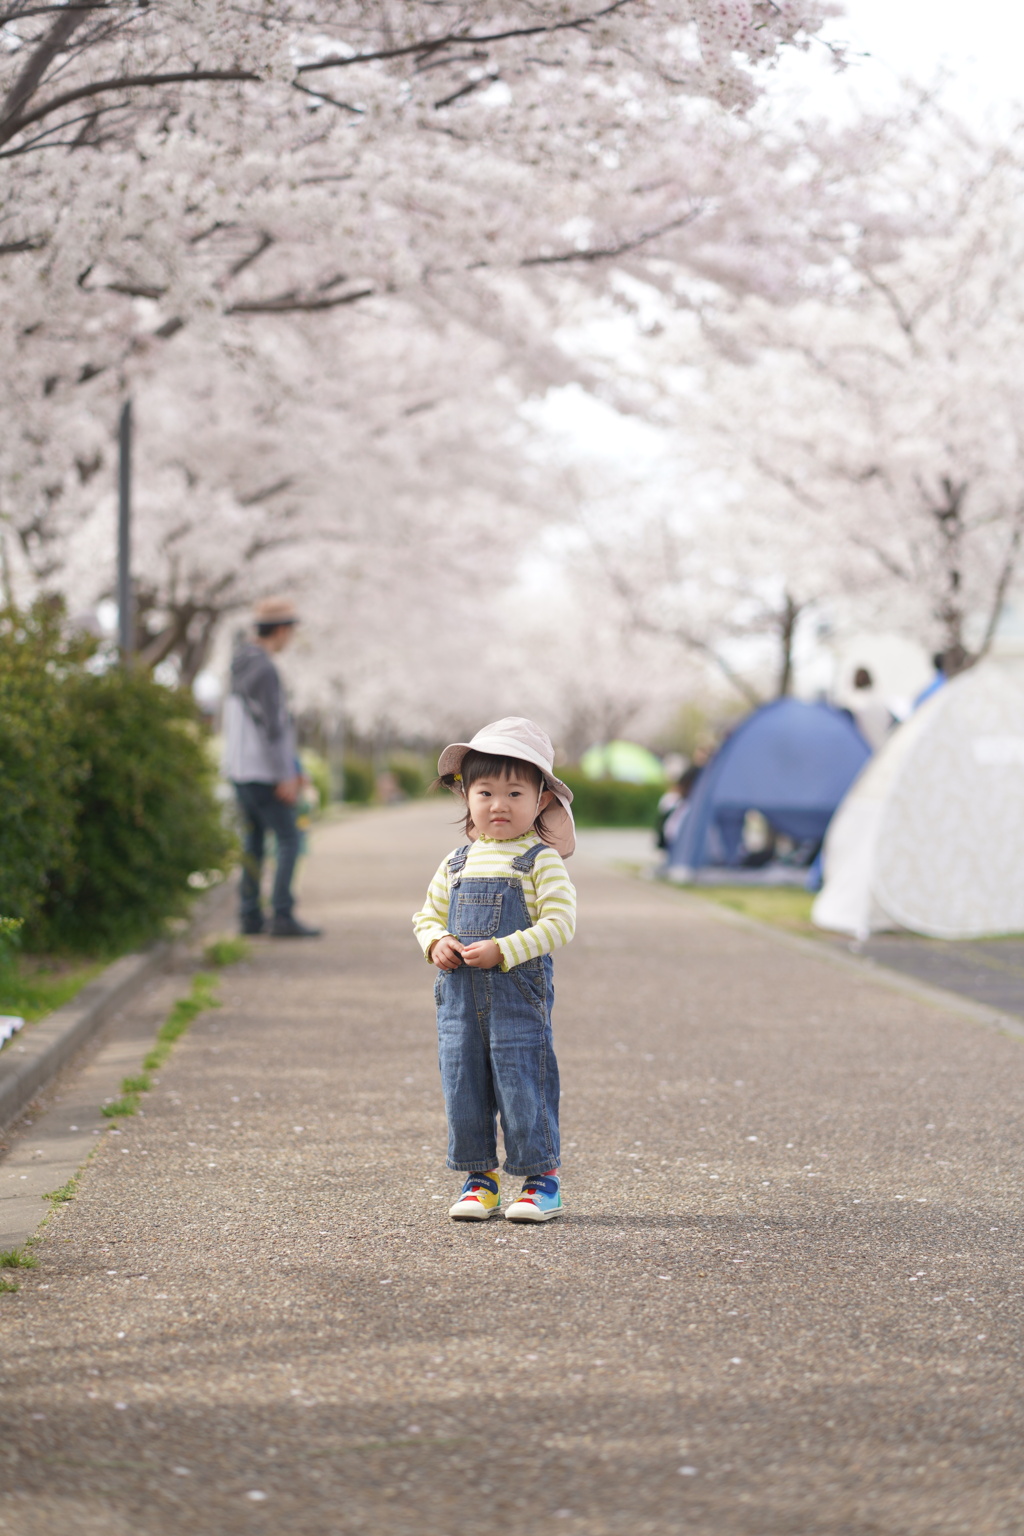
pixel 477 917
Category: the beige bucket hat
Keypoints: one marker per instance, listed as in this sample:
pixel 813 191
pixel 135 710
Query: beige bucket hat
pixel 274 610
pixel 516 737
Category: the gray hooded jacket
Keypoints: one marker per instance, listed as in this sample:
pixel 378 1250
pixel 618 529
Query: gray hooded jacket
pixel 259 735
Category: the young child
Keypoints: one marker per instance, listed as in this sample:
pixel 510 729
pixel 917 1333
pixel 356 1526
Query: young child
pixel 495 910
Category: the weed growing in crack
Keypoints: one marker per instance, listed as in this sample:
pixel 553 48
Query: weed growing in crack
pixel 128 1103
pixel 64 1194
pixel 226 951
pixel 17 1258
pixel 202 997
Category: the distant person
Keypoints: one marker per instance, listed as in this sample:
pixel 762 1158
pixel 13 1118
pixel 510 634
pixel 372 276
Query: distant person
pixel 674 803
pixel 495 910
pixel 261 762
pixel 874 719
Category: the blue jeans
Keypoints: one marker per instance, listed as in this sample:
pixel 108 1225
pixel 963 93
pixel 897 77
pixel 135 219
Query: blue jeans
pixel 494 1037
pixel 263 812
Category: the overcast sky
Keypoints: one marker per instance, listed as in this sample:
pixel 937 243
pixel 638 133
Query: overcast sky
pixel 980 44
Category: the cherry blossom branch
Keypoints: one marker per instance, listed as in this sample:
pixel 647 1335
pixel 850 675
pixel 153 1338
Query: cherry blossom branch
pixel 645 625
pixel 25 86
pixel 290 303
pixel 623 248
pixel 345 106
pixel 426 46
pixel 16 247
pixel 14 119
pixel 11 127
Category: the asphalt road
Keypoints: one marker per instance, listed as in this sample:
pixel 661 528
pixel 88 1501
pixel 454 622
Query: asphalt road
pixel 786 1296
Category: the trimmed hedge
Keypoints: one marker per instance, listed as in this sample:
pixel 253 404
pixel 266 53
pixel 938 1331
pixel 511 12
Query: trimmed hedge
pixel 107 802
pixel 607 803
pixel 359 780
pixel 148 818
pixel 38 772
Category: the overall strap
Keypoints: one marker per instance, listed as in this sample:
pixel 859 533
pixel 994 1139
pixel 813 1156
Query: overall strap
pixel 524 862
pixel 457 863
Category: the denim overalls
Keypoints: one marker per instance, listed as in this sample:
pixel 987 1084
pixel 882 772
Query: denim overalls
pixel 494 1034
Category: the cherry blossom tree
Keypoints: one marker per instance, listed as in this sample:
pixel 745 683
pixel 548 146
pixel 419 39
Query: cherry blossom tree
pixel 889 421
pixel 196 168
pixel 847 456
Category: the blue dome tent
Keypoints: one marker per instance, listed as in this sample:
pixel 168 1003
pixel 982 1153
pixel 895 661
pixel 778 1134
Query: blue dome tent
pixel 791 761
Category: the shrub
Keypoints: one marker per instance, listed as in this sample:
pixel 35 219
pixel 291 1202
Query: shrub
pixel 38 769
pixel 409 777
pixel 147 817
pixel 317 770
pixel 607 803
pixel 359 780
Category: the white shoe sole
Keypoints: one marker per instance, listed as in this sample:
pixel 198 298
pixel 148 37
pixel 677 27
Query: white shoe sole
pixel 460 1212
pixel 521 1211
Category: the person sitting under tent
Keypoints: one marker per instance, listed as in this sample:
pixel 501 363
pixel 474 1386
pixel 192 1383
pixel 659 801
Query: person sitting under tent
pixel 673 804
pixel 792 762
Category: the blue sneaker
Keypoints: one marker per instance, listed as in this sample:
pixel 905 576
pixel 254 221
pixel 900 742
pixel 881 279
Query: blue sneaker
pixel 480 1198
pixel 539 1199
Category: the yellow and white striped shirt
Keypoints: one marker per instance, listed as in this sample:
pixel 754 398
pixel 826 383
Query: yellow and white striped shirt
pixel 549 893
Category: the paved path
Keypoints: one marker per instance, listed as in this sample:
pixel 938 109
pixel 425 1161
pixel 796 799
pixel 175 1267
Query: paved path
pixel 787 1298
pixel 989 971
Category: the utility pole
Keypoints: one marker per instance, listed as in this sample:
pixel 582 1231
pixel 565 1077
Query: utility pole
pixel 125 615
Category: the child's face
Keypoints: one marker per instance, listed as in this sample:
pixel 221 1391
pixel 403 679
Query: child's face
pixel 505 808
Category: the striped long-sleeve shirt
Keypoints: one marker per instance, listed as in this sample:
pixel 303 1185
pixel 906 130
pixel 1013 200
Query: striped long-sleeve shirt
pixel 550 898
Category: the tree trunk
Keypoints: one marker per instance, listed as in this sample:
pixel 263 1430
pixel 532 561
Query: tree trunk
pixel 788 617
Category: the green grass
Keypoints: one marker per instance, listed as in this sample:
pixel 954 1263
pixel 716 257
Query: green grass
pixel 783 906
pixel 37 984
pixel 8 1286
pixel 131 1090
pixel 17 1258
pixel 202 996
pixel 226 951
pixel 64 1194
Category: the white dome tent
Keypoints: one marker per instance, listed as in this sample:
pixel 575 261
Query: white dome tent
pixel 930 836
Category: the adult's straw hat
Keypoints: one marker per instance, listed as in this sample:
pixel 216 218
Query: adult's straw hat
pixel 519 738
pixel 274 610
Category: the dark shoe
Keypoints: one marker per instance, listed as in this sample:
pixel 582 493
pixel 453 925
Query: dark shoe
pixel 291 928
pixel 252 925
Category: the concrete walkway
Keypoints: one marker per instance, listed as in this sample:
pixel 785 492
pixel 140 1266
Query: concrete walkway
pixel 787 1297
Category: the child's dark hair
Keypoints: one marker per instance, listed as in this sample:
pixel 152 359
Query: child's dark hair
pixel 487 765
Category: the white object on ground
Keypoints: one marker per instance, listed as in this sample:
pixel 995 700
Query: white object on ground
pixel 10 1023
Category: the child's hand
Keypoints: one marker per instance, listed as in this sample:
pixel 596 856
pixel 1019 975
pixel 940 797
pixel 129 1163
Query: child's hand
pixel 483 955
pixel 446 953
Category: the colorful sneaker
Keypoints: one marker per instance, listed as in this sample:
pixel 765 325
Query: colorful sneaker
pixel 539 1199
pixel 480 1198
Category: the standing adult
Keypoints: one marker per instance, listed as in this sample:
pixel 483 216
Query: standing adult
pixel 874 718
pixel 261 761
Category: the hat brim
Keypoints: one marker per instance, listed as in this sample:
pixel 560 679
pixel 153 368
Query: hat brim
pixel 558 818
pixel 451 758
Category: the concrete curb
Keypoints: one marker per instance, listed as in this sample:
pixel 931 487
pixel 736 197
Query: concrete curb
pixel 35 1056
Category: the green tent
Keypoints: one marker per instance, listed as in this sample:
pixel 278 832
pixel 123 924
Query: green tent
pixel 625 761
